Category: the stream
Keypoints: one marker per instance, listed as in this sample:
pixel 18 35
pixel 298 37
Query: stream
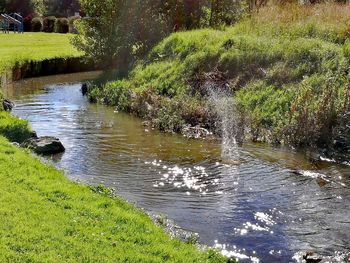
pixel 255 208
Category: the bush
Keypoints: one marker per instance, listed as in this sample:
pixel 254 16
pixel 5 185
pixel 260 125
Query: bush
pixel 72 28
pixel 115 93
pixel 49 24
pixel 61 25
pixel 168 118
pixel 37 24
pixel 27 22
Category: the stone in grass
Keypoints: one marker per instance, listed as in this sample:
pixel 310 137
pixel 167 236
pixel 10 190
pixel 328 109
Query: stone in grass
pixel 44 145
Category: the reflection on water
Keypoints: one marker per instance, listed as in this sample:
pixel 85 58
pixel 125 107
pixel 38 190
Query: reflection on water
pixel 257 209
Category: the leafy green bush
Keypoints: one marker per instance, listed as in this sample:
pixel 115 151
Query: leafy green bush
pixel 61 25
pixel 115 93
pixel 14 129
pixel 37 24
pixel 49 24
pixel 168 118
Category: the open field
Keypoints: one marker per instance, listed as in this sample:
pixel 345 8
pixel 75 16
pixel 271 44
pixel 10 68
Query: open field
pixel 19 48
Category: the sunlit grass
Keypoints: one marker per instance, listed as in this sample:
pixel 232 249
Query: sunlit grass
pixel 19 48
pixel 14 129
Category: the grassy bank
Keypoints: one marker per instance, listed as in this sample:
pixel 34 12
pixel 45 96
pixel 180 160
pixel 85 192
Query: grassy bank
pixel 21 48
pixel 287 67
pixel 46 217
pixel 14 129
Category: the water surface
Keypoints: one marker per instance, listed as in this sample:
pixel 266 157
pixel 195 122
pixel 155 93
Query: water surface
pixel 255 208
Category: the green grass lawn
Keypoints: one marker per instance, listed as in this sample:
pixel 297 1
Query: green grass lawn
pixel 47 218
pixel 19 48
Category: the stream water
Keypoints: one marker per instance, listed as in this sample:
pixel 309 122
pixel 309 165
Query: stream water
pixel 255 208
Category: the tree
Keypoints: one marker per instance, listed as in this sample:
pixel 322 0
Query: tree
pixel 23 7
pixel 61 7
pixel 226 12
pixel 118 31
pixel 115 31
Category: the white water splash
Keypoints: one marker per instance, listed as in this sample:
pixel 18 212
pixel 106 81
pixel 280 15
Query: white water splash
pixel 225 109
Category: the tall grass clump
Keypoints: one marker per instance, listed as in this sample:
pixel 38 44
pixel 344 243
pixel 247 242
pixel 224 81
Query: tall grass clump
pixel 328 21
pixel 14 129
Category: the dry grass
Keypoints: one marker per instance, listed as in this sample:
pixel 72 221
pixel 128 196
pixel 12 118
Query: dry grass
pixel 329 13
pixel 329 21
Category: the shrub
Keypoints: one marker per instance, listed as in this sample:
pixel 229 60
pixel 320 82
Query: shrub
pixel 27 21
pixel 168 118
pixel 61 25
pixel 37 24
pixel 72 28
pixel 49 24
pixel 115 93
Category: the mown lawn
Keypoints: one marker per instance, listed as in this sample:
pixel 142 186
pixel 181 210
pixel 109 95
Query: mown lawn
pixel 19 48
pixel 47 218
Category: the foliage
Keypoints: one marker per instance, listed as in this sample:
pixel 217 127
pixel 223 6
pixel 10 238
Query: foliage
pixel 289 74
pixel 61 8
pixel 33 47
pixel 134 27
pixel 36 24
pixel 14 129
pixel 61 25
pixel 24 7
pixel 44 7
pixel 226 12
pixel 1 100
pixel 27 21
pixel 114 93
pixel 168 117
pixel 55 218
pixel 49 24
pixel 71 24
